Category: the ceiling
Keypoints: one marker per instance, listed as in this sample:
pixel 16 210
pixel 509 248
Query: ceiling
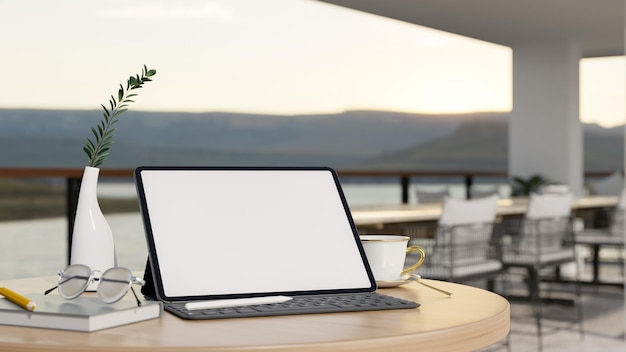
pixel 597 25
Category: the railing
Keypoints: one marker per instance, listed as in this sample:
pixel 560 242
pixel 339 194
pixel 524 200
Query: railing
pixel 405 177
pixel 73 178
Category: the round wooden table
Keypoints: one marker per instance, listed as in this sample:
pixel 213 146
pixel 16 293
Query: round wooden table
pixel 469 320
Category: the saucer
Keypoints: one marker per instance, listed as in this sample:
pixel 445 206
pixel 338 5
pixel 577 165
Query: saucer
pixel 398 282
pixel 391 283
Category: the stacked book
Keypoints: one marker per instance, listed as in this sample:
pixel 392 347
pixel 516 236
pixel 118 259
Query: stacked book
pixel 81 314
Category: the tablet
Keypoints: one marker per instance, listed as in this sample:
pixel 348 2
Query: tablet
pixel 234 232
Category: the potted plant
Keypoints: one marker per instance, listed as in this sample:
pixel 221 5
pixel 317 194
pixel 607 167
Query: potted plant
pixel 92 240
pixel 524 187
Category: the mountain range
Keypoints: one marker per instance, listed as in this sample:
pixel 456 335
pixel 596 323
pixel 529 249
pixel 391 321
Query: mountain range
pixel 347 140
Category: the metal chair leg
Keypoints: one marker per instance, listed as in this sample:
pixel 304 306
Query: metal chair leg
pixel 579 304
pixel 533 286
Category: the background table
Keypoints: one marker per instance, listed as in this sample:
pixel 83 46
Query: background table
pixel 379 216
pixel 473 318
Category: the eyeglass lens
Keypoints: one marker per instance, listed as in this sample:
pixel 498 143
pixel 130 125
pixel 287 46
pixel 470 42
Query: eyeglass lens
pixel 114 284
pixel 74 280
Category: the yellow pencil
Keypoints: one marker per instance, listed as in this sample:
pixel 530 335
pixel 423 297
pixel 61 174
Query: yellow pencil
pixel 17 299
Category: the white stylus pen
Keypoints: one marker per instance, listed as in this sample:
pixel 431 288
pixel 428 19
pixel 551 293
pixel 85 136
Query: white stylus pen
pixel 236 302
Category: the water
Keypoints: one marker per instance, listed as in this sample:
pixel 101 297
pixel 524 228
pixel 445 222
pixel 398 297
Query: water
pixel 118 190
pixel 39 247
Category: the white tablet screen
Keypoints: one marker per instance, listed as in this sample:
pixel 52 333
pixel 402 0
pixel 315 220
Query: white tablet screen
pixel 240 231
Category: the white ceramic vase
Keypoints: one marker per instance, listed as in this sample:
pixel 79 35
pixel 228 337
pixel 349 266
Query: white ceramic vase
pixel 92 239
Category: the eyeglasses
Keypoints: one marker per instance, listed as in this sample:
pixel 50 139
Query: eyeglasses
pixel 113 284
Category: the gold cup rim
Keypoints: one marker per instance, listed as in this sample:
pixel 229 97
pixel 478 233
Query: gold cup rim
pixel 384 238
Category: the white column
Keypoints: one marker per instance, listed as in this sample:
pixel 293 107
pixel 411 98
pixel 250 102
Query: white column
pixel 545 135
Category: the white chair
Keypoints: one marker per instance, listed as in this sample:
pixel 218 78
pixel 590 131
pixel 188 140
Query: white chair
pixel 607 186
pixel 431 196
pixel 554 189
pixel 612 236
pixel 484 191
pixel 542 239
pixel 463 247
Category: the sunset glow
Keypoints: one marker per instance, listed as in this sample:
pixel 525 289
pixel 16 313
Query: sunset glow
pixel 246 56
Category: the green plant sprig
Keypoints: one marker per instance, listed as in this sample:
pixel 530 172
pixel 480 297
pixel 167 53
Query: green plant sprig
pixel 525 187
pixel 97 150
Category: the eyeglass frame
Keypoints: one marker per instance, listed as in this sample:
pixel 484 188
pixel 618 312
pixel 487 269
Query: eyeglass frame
pixel 94 278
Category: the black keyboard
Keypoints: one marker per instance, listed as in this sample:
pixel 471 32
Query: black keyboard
pixel 298 305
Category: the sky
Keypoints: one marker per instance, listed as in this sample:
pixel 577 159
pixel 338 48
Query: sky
pixel 271 56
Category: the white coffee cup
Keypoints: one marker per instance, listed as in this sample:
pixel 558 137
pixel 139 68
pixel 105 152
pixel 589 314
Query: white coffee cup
pixel 386 255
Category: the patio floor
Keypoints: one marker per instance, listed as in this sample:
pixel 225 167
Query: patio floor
pixel 603 313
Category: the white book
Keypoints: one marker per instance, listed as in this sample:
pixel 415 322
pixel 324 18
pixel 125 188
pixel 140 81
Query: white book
pixel 81 314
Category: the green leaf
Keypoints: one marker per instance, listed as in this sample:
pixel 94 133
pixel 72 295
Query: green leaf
pixel 100 158
pixel 120 110
pixel 98 151
pixel 106 112
pixel 96 162
pixel 108 139
pixel 93 130
pixel 109 132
